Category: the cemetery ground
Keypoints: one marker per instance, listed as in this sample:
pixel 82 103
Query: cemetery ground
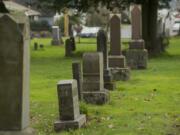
pixel 147 104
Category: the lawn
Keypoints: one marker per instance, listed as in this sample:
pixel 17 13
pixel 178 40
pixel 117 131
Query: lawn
pixel 147 104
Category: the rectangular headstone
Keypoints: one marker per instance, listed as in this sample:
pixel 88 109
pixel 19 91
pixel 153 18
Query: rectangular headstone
pixel 93 81
pixel 93 72
pixel 14 72
pixel 68 100
pixel 55 35
pixel 70 117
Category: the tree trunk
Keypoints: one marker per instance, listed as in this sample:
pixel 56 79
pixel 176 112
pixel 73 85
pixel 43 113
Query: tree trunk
pixel 149 28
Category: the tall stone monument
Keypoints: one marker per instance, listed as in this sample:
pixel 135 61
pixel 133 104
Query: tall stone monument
pixel 102 47
pixel 137 55
pixel 93 82
pixel 117 62
pixel 14 74
pixel 55 36
pixel 70 117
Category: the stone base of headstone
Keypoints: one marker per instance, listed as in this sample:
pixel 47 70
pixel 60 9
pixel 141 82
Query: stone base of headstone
pixel 56 42
pixel 96 97
pixel 27 131
pixel 71 124
pixel 120 74
pixel 109 84
pixel 137 59
pixel 117 61
pixel 137 44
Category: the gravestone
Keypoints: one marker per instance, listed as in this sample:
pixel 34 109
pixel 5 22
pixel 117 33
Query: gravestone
pixel 93 82
pixel 14 74
pixel 70 117
pixel 68 48
pixel 73 43
pixel 55 36
pixel 117 62
pixel 77 75
pixel 102 47
pixel 35 46
pixel 137 55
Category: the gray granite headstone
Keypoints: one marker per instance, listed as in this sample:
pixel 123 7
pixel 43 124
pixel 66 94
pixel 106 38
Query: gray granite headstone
pixel 55 35
pixel 77 75
pixel 70 117
pixel 14 74
pixel 93 82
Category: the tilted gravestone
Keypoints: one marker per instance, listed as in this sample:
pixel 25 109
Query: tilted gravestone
pixel 102 47
pixel 117 62
pixel 70 117
pixel 137 55
pixel 55 36
pixel 77 75
pixel 14 74
pixel 68 48
pixel 93 82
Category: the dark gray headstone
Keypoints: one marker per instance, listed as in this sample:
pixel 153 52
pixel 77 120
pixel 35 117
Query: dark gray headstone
pixel 69 112
pixel 35 46
pixel 102 46
pixel 68 48
pixel 93 82
pixel 77 75
pixel 14 73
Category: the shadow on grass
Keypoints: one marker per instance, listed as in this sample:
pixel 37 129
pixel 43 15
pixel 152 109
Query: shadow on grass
pixel 166 55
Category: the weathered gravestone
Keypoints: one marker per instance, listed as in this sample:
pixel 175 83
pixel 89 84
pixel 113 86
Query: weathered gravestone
pixel 68 48
pixel 77 75
pixel 55 35
pixel 137 55
pixel 117 62
pixel 102 47
pixel 93 82
pixel 35 46
pixel 14 74
pixel 73 43
pixel 70 117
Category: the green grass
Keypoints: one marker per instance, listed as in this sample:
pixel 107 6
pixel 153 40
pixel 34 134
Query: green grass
pixel 148 104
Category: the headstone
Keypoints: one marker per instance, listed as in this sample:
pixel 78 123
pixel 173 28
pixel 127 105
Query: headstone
pixel 35 46
pixel 41 46
pixel 14 74
pixel 68 48
pixel 137 55
pixel 117 62
pixel 77 75
pixel 102 47
pixel 55 35
pixel 93 82
pixel 73 43
pixel 70 117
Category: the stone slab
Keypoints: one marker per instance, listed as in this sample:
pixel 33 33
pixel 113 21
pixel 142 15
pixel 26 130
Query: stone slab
pixel 117 61
pixel 72 124
pixel 27 131
pixel 137 44
pixel 120 74
pixel 137 59
pixel 96 97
